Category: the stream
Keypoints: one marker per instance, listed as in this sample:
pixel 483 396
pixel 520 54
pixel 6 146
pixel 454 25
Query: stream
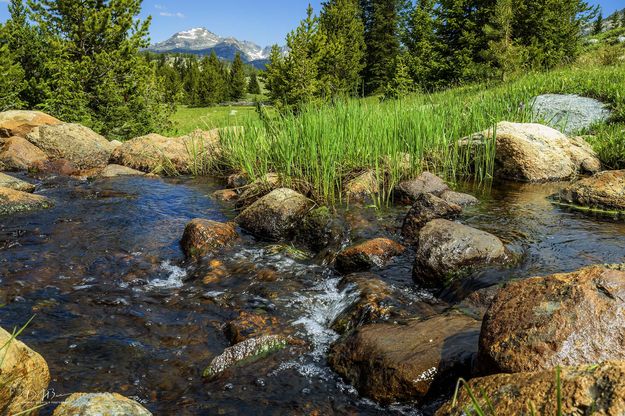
pixel 118 309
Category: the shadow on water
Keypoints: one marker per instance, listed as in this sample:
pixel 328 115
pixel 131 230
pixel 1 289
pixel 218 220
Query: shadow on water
pixel 119 310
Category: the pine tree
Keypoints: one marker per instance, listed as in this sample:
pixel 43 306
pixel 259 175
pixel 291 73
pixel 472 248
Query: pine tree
pixel 623 18
pixel 598 26
pixel 419 39
pixel 238 81
pixel 342 59
pixel 502 50
pixel 401 84
pixel 12 80
pixel 253 87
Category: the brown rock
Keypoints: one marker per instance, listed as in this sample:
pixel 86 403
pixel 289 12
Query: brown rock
pixel 426 208
pixel 368 255
pixel 202 237
pixel 276 215
pixel 24 376
pixel 16 184
pixel 533 152
pixel 12 201
pixel 17 153
pixel 225 195
pixel 253 191
pixel 363 187
pixel 593 389
pixel 154 153
pixel 250 325
pixel 389 362
pixel 60 167
pixel 604 190
pixel 101 404
pixel 21 122
pixel 427 183
pixel 447 250
pixel 238 180
pixel 112 171
pixel 564 319
pixel 80 145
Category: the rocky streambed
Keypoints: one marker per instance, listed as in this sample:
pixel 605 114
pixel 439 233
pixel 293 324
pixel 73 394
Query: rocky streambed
pixel 229 296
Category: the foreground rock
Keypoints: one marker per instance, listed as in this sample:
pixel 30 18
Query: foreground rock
pixel 603 191
pixel 12 202
pixel 426 208
pixel 17 153
pixel 246 351
pixel 21 122
pixel 596 389
pixel 447 250
pixel 16 184
pixel 104 404
pixel 535 153
pixel 276 215
pixel 321 229
pixel 24 376
pixel 202 237
pixel 388 362
pixel 427 183
pixel 368 255
pixel 362 188
pixel 112 171
pixel 569 113
pixel 77 144
pixel 565 319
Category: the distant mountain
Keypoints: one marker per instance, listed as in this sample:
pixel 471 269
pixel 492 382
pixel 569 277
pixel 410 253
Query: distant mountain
pixel 201 41
pixel 608 23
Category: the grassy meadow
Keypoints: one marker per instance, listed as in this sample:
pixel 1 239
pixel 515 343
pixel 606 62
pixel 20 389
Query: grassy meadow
pixel 326 146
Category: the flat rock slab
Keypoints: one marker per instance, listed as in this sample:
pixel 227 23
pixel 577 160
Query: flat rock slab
pixel 389 363
pixel 100 404
pixel 7 181
pixel 603 191
pixel 564 319
pixel 569 113
pixel 12 201
pixel 591 389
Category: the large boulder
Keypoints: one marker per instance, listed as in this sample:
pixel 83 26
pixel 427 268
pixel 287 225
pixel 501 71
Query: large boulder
pixel 426 183
pixel 203 236
pixel 17 153
pixel 448 250
pixel 276 215
pixel 390 362
pixel 16 184
pixel 534 153
pixel 12 201
pixel 367 255
pixel 154 153
pixel 21 122
pixel 24 376
pixel 80 145
pixel 569 113
pixel 603 191
pixel 589 389
pixel 426 208
pixel 564 319
pixel 100 404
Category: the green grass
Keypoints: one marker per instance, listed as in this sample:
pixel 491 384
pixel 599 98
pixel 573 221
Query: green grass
pixel 187 119
pixel 326 146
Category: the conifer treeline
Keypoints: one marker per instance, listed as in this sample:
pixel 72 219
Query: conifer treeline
pixel 356 47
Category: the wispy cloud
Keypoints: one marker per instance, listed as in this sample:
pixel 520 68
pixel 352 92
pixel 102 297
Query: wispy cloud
pixel 160 7
pixel 168 14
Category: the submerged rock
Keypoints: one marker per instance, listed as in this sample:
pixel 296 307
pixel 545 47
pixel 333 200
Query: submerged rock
pixel 363 187
pixel 16 184
pixel 604 191
pixel 427 183
pixel 100 404
pixel 225 195
pixel 112 171
pixel 368 255
pixel 21 122
pixel 458 198
pixel 17 153
pixel 276 215
pixel 202 237
pixel 564 319
pixel 569 113
pixel 12 201
pixel 448 250
pixel 426 208
pixel 534 153
pixel 80 145
pixel 590 389
pixel 24 376
pixel 246 351
pixel 250 325
pixel 389 362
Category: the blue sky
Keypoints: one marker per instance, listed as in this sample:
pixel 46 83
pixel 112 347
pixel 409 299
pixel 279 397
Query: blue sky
pixel 262 21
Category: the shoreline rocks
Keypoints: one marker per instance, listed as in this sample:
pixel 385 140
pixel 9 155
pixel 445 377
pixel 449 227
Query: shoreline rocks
pixel 17 153
pixel 602 191
pixel 21 122
pixel 12 202
pixel 111 171
pixel 362 188
pixel 7 181
pixel 427 207
pixel 409 191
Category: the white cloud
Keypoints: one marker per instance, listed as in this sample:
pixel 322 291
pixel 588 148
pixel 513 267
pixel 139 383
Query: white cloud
pixel 168 14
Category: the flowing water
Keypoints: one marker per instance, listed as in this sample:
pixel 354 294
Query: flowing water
pixel 118 309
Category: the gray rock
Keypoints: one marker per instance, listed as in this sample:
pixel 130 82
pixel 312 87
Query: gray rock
pixel 426 208
pixel 426 183
pixel 569 113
